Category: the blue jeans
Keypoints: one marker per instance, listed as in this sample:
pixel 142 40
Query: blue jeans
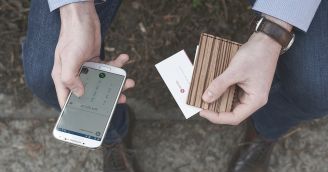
pixel 38 56
pixel 300 88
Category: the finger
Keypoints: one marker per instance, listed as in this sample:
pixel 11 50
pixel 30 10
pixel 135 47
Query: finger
pixel 120 60
pixel 129 83
pixel 122 99
pixel 243 110
pixel 70 77
pixel 240 113
pixel 210 115
pixel 218 86
pixel 95 59
pixel 61 90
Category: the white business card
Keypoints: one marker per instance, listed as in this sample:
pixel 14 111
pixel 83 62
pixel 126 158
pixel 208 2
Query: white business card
pixel 176 71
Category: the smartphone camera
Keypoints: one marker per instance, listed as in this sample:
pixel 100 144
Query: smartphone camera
pixel 84 70
pixel 102 75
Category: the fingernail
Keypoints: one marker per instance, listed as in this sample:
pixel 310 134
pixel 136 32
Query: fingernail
pixel 208 96
pixel 77 92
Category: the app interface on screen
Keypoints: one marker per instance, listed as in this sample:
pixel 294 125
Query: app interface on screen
pixel 87 116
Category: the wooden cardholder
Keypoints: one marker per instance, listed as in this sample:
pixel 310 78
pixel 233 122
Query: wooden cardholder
pixel 213 57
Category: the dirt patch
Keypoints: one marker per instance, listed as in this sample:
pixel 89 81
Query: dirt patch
pixel 13 19
pixel 149 31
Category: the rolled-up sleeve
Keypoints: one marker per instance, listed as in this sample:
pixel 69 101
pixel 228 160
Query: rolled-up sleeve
pixel 54 4
pixel 298 13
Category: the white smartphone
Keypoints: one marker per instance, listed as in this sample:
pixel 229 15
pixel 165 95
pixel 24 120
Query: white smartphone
pixel 84 120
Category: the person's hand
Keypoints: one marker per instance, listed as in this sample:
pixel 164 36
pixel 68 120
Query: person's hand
pixel 129 83
pixel 252 69
pixel 79 41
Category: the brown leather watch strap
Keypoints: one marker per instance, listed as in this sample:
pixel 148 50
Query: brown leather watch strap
pixel 276 32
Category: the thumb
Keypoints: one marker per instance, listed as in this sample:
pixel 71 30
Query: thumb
pixel 71 80
pixel 218 86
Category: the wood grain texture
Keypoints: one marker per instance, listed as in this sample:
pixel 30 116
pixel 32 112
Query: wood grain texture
pixel 213 57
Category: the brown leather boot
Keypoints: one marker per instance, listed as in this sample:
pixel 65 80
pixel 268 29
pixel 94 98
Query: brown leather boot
pixel 253 155
pixel 120 157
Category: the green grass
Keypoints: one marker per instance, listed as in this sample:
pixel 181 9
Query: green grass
pixel 196 3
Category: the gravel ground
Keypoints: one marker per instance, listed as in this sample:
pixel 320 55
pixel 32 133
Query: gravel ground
pixel 27 145
pixel 186 146
pixel 160 144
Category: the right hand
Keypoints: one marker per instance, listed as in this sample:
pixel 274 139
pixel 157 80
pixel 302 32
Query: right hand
pixel 120 61
pixel 79 41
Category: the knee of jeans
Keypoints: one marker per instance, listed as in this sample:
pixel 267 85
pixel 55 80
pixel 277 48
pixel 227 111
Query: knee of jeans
pixel 37 84
pixel 310 96
pixel 37 75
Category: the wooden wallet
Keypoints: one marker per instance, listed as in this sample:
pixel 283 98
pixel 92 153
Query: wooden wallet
pixel 213 57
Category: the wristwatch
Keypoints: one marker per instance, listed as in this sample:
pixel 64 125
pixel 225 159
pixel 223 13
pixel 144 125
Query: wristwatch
pixel 276 32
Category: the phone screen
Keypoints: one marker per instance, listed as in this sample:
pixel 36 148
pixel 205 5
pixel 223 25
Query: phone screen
pixel 87 116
